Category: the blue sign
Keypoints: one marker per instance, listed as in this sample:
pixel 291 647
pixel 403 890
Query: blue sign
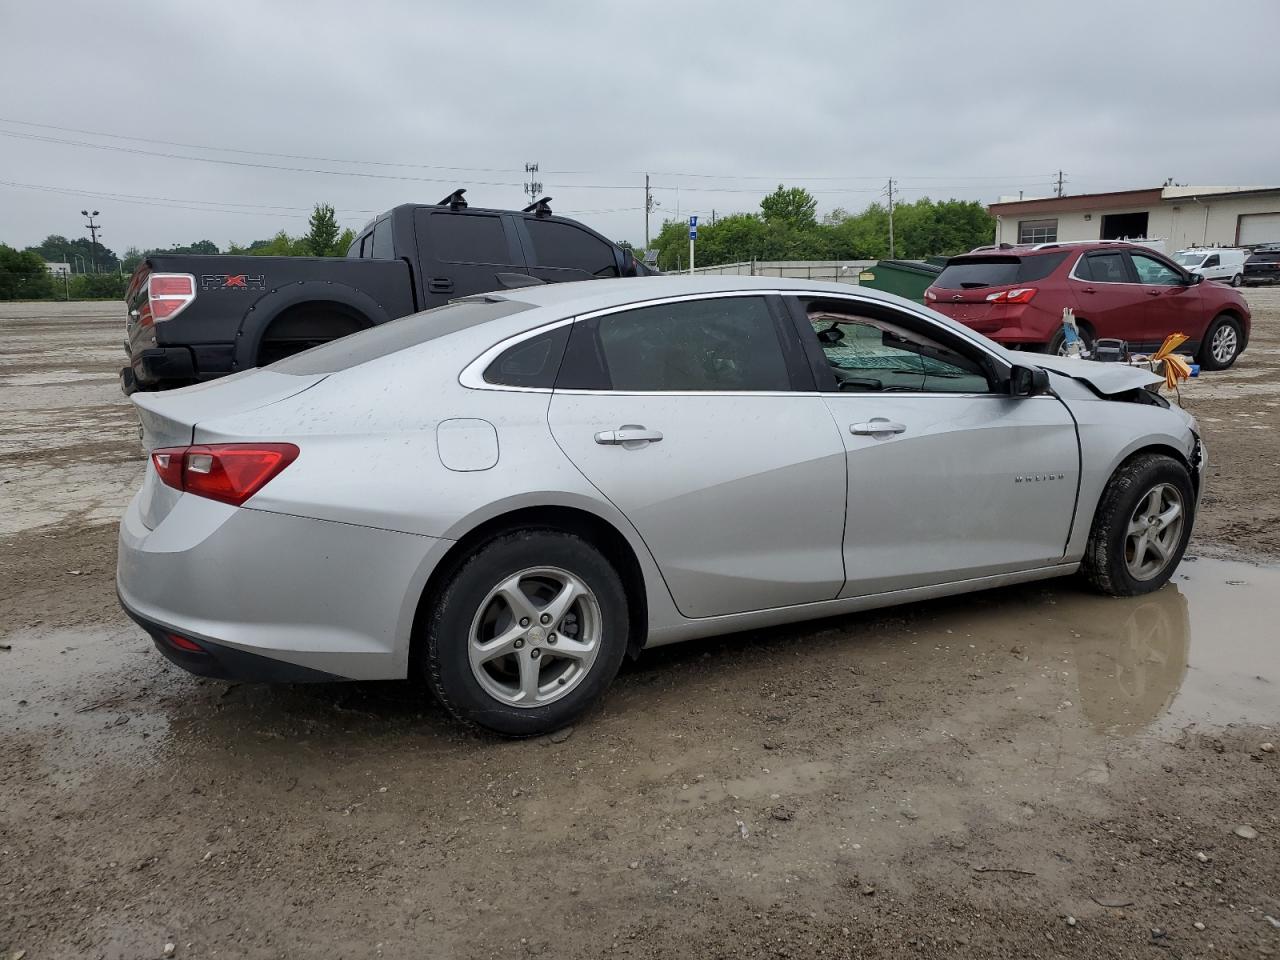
pixel 693 234
pixel 693 223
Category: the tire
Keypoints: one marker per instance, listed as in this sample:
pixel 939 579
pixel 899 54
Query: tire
pixel 1221 344
pixel 1237 280
pixel 472 611
pixel 1055 345
pixel 1124 559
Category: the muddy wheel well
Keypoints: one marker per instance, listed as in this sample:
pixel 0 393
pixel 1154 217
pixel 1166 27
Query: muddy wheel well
pixel 567 519
pixel 306 325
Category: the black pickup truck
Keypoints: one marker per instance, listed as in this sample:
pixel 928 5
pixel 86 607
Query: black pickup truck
pixel 193 318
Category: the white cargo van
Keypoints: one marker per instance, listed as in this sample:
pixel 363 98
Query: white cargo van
pixel 1220 264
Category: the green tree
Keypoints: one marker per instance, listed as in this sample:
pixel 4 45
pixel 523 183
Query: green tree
pixel 98 286
pixel 132 257
pixel 23 275
pixel 346 240
pixel 322 238
pixel 59 249
pixel 794 206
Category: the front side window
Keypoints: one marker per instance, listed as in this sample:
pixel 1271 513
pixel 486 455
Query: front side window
pixel 1154 272
pixel 874 355
pixel 718 344
pixel 564 245
pixel 1037 231
pixel 1213 261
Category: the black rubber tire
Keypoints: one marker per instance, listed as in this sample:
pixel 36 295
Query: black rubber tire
pixel 1104 563
pixel 1056 343
pixel 1237 280
pixel 1205 356
pixel 444 661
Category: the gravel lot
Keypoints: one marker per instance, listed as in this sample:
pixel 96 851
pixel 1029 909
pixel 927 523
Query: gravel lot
pixel 1027 772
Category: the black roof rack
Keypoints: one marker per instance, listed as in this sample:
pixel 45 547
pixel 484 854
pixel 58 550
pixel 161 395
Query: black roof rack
pixel 539 208
pixel 455 200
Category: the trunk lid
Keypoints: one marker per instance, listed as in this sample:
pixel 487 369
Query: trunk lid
pixel 169 419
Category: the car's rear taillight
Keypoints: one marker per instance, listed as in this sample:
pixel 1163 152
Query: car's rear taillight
pixel 229 472
pixel 167 295
pixel 1020 295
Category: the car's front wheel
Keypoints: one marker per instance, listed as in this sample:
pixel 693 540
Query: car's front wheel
pixel 528 632
pixel 1222 343
pixel 1141 528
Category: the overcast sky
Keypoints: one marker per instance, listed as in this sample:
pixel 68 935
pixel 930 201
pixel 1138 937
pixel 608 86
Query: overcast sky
pixel 722 101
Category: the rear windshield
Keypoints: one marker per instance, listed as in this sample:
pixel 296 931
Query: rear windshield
pixel 387 338
pixel 1268 257
pixel 966 273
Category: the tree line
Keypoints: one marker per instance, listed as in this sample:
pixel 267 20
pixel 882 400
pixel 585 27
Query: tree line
pixel 787 228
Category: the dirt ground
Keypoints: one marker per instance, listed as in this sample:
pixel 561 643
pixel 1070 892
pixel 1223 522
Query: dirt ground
pixel 1030 772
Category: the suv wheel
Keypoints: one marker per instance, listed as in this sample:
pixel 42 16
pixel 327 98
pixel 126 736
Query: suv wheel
pixel 1141 528
pixel 1221 344
pixel 527 634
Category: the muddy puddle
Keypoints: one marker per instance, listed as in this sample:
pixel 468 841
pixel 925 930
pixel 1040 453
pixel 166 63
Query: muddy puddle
pixel 1200 652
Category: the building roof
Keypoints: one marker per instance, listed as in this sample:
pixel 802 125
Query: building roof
pixel 1116 200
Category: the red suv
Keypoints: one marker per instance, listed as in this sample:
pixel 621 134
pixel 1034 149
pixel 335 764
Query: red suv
pixel 1016 294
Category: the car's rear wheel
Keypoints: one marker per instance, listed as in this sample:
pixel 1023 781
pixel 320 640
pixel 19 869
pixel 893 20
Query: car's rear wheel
pixel 1221 344
pixel 1142 526
pixel 528 632
pixel 1058 345
pixel 1237 280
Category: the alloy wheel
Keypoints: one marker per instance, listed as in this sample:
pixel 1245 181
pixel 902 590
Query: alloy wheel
pixel 1154 532
pixel 535 637
pixel 1223 344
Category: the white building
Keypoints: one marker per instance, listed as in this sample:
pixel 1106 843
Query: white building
pixel 56 268
pixel 1180 216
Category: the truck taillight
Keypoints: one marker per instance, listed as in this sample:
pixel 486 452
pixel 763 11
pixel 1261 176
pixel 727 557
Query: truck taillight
pixel 167 295
pixel 1020 295
pixel 229 472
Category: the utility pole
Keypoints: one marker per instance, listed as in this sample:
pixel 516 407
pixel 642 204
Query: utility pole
pixel 648 206
pixel 533 188
pixel 1059 183
pixel 93 232
pixel 891 218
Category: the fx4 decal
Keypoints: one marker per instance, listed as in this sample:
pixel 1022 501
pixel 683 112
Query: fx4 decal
pixel 232 281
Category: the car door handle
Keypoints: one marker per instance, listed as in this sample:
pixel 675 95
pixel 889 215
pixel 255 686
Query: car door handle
pixel 1153 293
pixel 628 433
pixel 877 427
pixel 1089 290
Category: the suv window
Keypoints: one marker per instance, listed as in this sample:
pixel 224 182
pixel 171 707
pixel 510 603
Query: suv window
pixel 718 344
pixel 468 238
pixel 869 354
pixel 564 245
pixel 1154 272
pixel 996 271
pixel 1105 267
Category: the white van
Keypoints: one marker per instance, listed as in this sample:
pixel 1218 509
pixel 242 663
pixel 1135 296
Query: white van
pixel 1219 264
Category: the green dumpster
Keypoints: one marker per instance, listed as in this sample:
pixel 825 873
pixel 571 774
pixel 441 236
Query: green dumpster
pixel 906 278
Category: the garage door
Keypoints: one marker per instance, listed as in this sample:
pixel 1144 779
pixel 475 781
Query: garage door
pixel 1258 228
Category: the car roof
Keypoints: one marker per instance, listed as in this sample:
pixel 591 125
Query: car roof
pixel 1040 249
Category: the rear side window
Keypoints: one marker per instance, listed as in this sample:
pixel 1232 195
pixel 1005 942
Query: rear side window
pixel 720 344
pixel 383 248
pixel 530 363
pixel 564 245
pixel 465 237
pixel 1103 268
pixel 387 338
pixel 996 271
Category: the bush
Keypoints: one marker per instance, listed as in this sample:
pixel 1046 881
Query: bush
pixel 23 276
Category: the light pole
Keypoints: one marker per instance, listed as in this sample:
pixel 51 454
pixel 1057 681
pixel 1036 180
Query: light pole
pixel 93 229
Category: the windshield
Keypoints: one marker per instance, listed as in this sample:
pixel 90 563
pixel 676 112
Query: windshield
pixel 396 335
pixel 968 273
pixel 1189 259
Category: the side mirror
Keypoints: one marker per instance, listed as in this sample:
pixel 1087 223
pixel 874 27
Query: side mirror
pixel 629 264
pixel 1027 381
pixel 1191 279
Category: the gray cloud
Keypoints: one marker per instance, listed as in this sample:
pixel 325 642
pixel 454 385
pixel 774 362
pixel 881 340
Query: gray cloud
pixel 971 100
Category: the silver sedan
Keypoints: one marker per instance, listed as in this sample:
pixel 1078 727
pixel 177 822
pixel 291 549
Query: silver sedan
pixel 509 494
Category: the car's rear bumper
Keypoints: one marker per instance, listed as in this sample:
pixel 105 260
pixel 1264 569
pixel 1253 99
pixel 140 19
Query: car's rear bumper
pixel 268 596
